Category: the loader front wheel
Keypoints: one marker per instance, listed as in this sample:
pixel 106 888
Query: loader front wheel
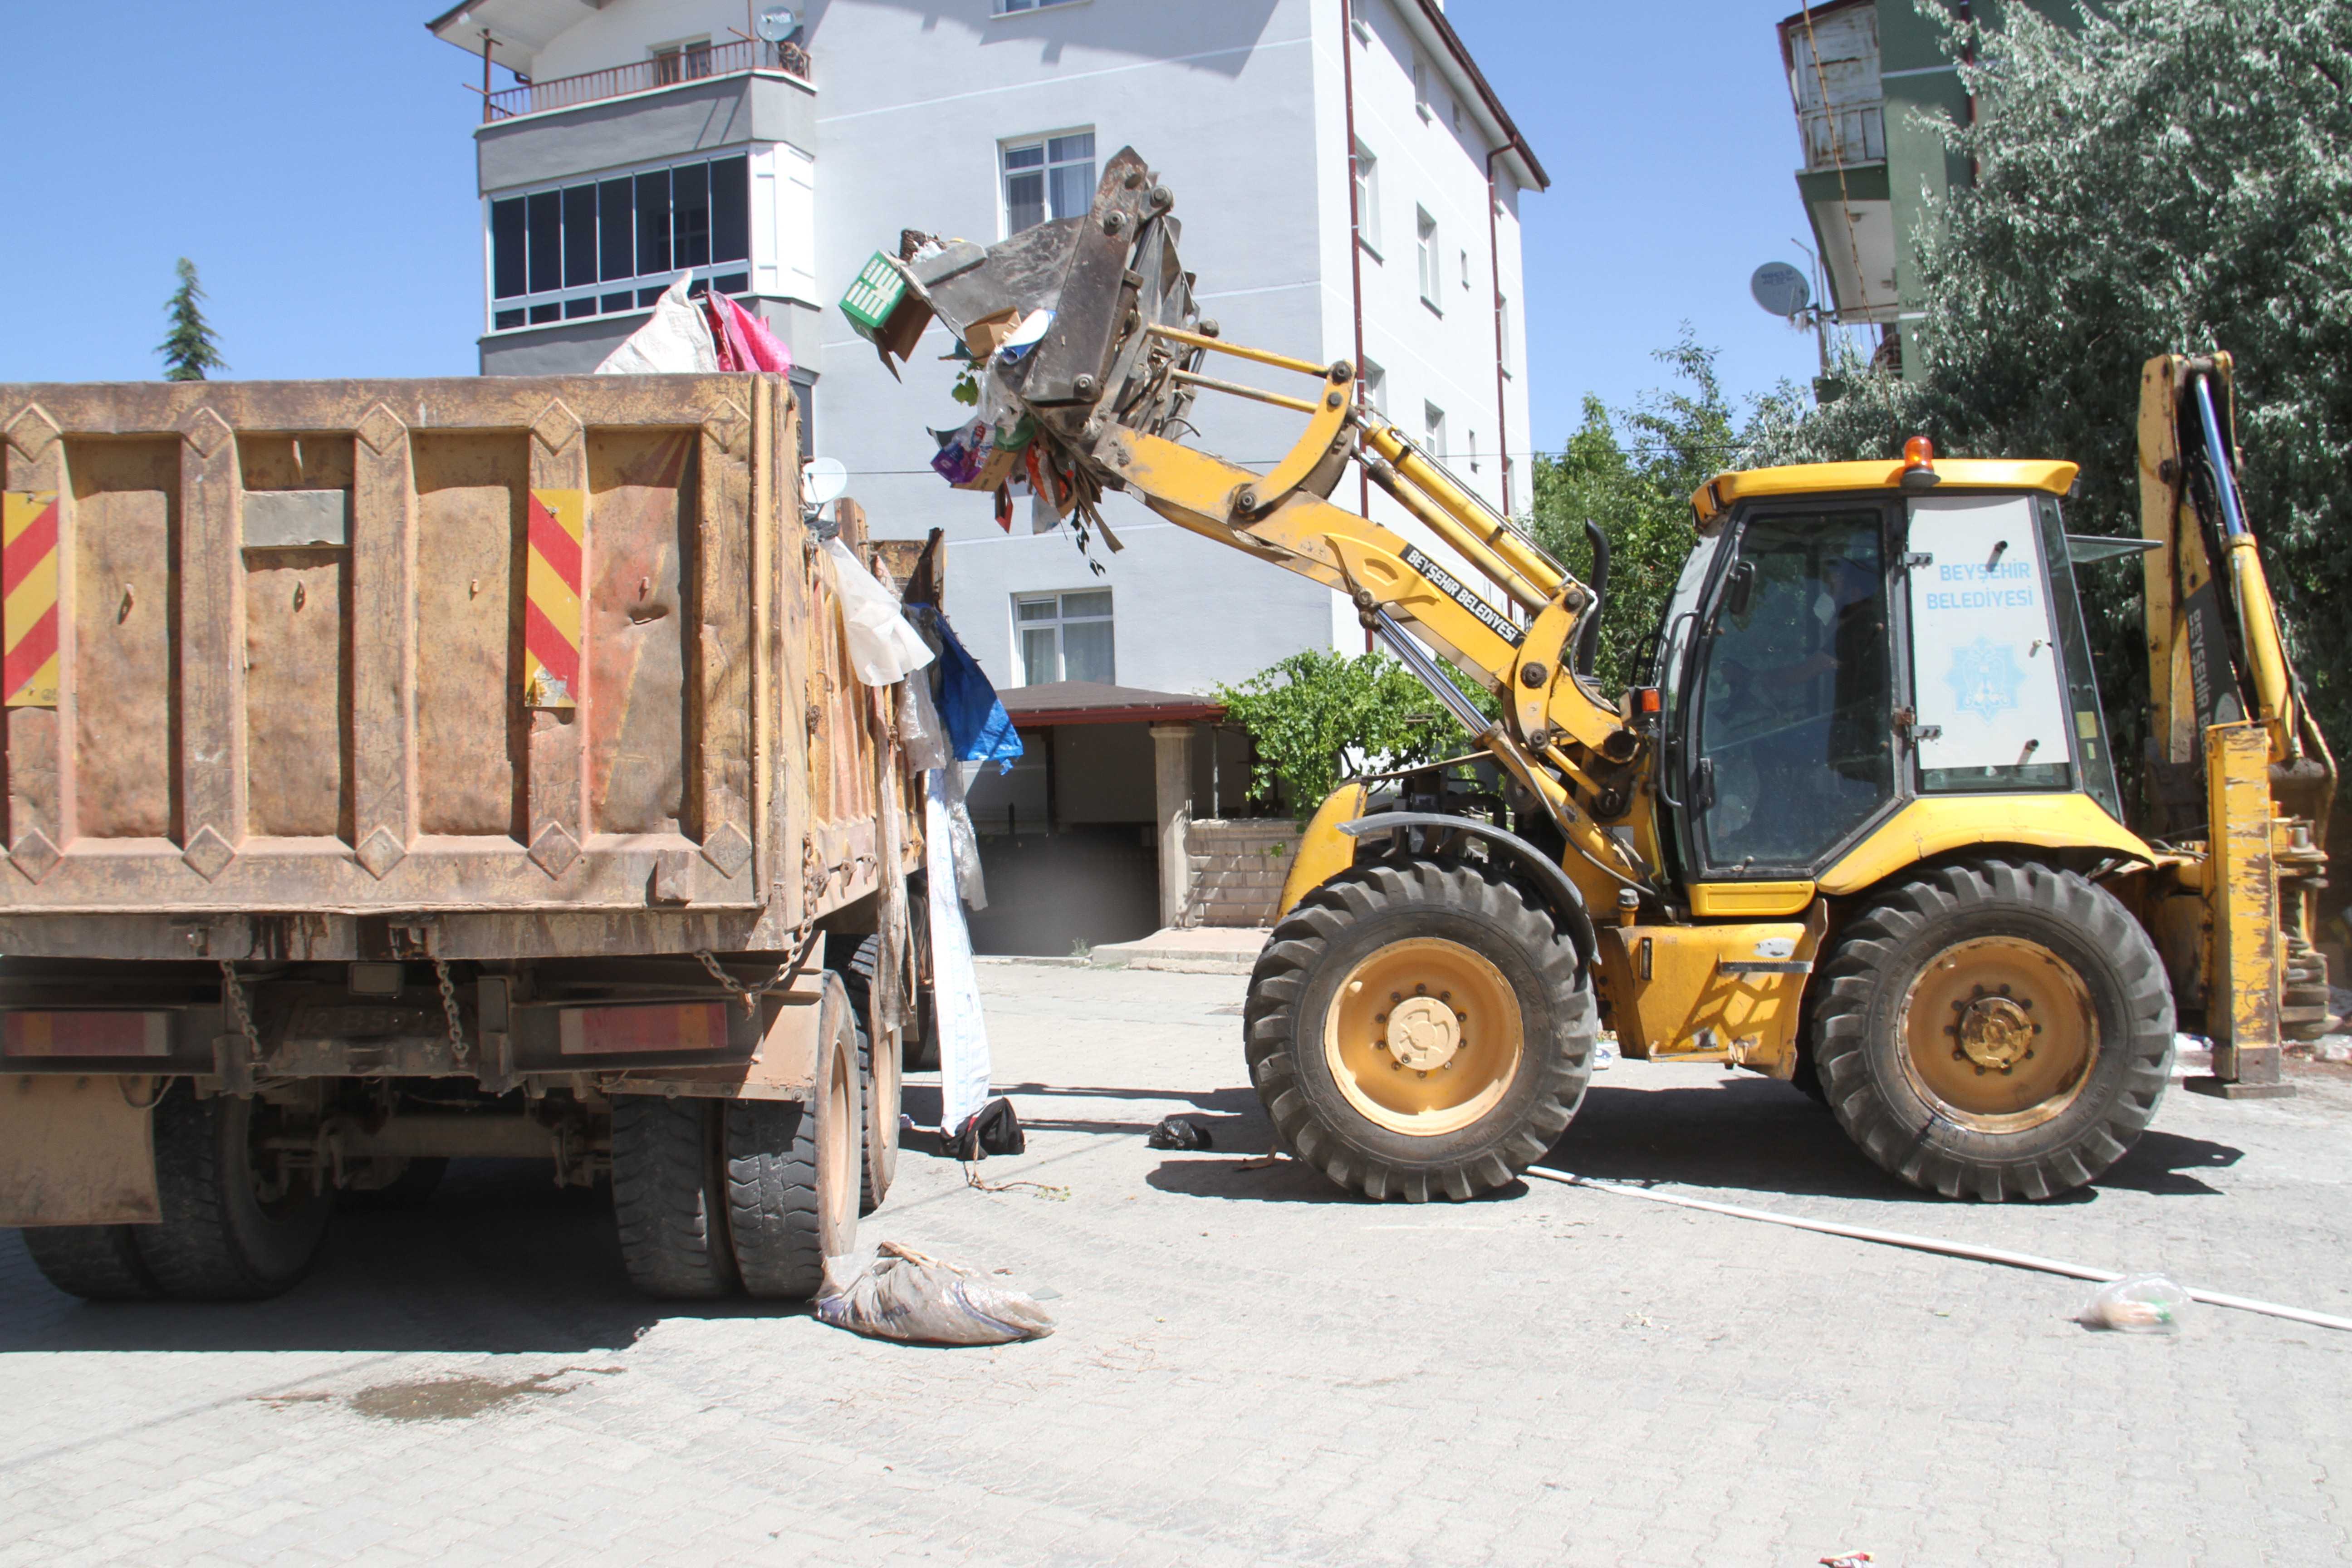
pixel 1994 1031
pixel 1420 1028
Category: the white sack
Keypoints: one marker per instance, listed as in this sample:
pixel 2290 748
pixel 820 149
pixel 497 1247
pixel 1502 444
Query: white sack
pixel 882 647
pixel 674 341
pixel 955 988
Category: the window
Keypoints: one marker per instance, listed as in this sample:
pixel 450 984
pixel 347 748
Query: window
pixel 1795 704
pixel 1425 230
pixel 1465 269
pixel 1368 200
pixel 1503 333
pixel 689 61
pixel 1064 636
pixel 1421 86
pixel 1048 178
pixel 1473 451
pixel 1008 7
pixel 614 244
pixel 1356 18
pixel 1376 388
pixel 1433 430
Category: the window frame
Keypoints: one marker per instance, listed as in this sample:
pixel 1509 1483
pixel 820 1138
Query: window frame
pixel 1000 9
pixel 1043 141
pixel 1022 627
pixel 1374 377
pixel 1426 241
pixel 597 298
pixel 1368 201
pixel 1433 430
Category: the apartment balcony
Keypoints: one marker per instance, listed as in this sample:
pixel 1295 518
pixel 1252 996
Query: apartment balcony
pixel 675 68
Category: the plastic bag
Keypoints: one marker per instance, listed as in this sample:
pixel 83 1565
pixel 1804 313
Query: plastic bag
pixel 882 647
pixel 2137 1304
pixel 920 729
pixel 1175 1132
pixel 906 1296
pixel 675 341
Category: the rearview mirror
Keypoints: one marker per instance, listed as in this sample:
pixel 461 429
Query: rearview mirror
pixel 1739 589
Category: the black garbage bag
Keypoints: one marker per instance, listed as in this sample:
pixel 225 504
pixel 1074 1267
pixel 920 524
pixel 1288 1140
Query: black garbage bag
pixel 993 1129
pixel 1175 1132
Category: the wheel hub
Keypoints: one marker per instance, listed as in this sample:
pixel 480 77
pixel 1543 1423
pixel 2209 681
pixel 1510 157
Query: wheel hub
pixel 1995 1032
pixel 1423 1033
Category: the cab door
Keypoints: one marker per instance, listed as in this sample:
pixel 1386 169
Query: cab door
pixel 1789 732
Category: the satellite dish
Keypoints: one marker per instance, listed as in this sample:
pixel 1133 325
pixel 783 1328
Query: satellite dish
pixel 1779 289
pixel 822 480
pixel 777 24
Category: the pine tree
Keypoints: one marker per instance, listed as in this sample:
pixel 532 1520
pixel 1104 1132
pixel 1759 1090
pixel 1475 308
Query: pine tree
pixel 188 350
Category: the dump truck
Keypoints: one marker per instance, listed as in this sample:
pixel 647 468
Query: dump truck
pixel 400 771
pixel 1859 827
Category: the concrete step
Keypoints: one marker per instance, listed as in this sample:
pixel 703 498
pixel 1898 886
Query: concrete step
pixel 1197 950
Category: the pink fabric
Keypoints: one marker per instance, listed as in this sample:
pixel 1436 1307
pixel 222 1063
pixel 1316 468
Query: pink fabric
pixel 743 340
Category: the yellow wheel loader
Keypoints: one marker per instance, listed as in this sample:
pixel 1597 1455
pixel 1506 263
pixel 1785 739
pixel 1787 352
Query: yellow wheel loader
pixel 1861 827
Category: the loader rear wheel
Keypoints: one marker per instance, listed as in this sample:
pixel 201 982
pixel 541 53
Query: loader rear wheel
pixel 792 1167
pixel 241 1222
pixel 94 1262
pixel 1420 1028
pixel 669 1196
pixel 1994 1031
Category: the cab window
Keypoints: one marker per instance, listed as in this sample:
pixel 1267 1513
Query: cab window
pixel 1793 723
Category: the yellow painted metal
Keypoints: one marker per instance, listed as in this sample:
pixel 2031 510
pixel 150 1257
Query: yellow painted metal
pixel 2241 1013
pixel 1939 824
pixel 1750 900
pixel 1423 1036
pixel 1668 995
pixel 1711 499
pixel 1458 535
pixel 1255 394
pixel 1541 574
pixel 1238 351
pixel 1323 851
pixel 1998 1034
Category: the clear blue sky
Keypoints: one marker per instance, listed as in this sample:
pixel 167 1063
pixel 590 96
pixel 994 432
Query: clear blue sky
pixel 314 159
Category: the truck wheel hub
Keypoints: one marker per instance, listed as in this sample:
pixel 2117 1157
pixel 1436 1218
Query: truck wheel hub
pixel 1423 1033
pixel 1995 1032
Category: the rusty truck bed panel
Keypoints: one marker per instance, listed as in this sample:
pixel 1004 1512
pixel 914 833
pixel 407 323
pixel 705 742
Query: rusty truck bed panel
pixel 545 659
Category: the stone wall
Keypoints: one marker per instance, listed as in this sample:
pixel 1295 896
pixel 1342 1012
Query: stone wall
pixel 1238 867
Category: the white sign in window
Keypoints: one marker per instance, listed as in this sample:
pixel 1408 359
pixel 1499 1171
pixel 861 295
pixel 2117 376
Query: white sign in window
pixel 1985 677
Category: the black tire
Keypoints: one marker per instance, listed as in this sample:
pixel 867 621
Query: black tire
pixel 94 1262
pixel 793 1168
pixel 2076 1113
pixel 669 1198
pixel 879 1072
pixel 232 1229
pixel 918 1042
pixel 420 1174
pixel 1341 926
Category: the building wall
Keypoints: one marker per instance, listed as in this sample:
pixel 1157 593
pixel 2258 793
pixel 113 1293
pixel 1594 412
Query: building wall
pixel 1238 104
pixel 1237 870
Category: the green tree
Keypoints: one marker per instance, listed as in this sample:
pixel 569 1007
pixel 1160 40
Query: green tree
pixel 1637 489
pixel 2174 175
pixel 1313 711
pixel 188 350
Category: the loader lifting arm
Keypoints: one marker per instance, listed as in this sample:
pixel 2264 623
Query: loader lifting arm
pixel 1117 374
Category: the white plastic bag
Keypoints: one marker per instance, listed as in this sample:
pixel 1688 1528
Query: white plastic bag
pixel 675 341
pixel 920 730
pixel 2139 1304
pixel 882 647
pixel 906 1296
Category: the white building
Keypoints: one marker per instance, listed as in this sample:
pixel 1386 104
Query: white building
pixel 656 134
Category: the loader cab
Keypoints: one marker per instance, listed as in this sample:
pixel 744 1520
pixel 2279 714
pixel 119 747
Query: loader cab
pixel 1841 645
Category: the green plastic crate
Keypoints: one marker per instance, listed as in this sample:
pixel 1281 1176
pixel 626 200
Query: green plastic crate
pixel 876 293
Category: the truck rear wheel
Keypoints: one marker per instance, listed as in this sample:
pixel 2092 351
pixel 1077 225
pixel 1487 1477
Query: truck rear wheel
pixel 94 1262
pixel 1994 1031
pixel 241 1223
pixel 792 1167
pixel 879 1067
pixel 669 1196
pixel 1420 1028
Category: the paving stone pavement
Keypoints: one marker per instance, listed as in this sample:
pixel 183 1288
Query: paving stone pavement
pixel 1251 1367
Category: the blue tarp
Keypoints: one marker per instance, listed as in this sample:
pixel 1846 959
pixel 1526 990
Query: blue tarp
pixel 978 728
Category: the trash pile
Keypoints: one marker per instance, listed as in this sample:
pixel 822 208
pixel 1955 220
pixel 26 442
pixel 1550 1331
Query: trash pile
pixel 689 334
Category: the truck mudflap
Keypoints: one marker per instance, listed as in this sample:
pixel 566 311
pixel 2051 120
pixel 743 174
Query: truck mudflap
pixel 78 1149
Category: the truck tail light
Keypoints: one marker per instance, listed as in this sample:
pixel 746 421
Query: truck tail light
pixel 86 1035
pixel 631 1031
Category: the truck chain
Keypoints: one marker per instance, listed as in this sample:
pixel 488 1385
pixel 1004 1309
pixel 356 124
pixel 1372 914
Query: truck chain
pixel 458 1045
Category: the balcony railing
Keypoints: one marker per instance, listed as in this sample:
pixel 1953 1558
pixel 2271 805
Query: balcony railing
pixel 643 75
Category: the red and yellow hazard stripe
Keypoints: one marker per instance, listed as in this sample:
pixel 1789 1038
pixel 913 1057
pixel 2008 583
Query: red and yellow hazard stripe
pixel 628 1031
pixel 550 632
pixel 28 575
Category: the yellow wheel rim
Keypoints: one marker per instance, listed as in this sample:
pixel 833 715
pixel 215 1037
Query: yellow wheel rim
pixel 2000 1033
pixel 1423 1036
